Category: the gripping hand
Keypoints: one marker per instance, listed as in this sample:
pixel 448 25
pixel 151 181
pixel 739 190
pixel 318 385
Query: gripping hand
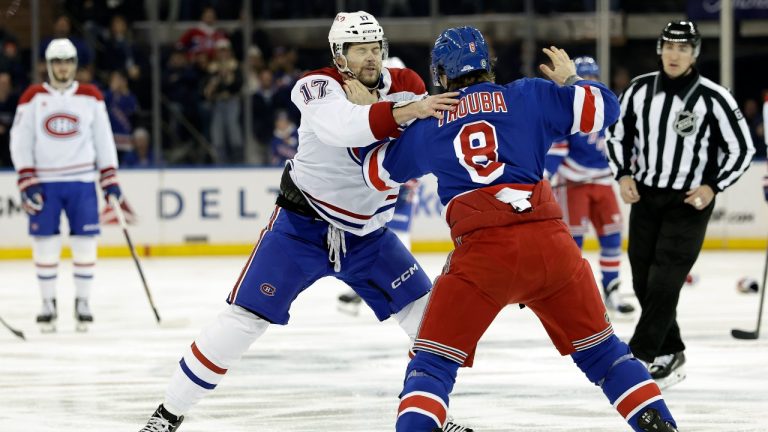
pixel 31 191
pixel 108 183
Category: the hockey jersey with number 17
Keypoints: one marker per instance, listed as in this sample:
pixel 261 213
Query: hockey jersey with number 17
pixel 64 135
pixel 497 135
pixel 332 132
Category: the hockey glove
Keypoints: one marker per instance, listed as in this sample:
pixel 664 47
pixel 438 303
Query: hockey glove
pixel 31 191
pixel 108 183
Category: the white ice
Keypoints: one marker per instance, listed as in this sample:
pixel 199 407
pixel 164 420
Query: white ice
pixel 327 371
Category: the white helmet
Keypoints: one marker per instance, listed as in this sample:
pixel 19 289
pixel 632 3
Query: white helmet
pixel 60 49
pixel 354 27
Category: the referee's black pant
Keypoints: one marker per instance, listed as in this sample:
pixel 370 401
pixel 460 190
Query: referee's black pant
pixel 665 238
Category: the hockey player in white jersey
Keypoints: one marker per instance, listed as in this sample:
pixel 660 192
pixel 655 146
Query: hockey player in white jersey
pixel 326 221
pixel 61 142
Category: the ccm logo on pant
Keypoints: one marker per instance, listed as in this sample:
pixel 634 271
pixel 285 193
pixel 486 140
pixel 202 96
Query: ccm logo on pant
pixel 404 277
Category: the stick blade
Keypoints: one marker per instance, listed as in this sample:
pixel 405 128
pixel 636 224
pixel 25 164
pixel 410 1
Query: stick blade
pixel 743 334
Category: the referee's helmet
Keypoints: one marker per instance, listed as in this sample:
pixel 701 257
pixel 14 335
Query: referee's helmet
pixel 680 32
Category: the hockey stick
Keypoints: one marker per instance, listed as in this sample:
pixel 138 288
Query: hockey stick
pixel 121 219
pixel 751 335
pixel 18 333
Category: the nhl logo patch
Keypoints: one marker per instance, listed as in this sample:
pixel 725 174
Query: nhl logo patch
pixel 685 123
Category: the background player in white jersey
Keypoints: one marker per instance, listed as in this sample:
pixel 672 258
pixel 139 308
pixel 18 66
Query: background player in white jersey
pixel 326 222
pixel 585 193
pixel 60 141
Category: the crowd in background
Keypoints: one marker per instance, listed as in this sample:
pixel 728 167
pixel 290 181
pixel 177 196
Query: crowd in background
pixel 207 75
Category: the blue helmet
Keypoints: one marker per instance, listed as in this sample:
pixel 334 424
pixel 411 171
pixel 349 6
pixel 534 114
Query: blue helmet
pixel 459 51
pixel 586 65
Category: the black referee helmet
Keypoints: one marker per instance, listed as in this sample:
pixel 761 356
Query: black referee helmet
pixel 680 32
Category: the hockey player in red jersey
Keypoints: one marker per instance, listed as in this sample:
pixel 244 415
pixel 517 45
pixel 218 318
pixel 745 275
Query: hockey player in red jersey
pixel 61 141
pixel 488 157
pixel 585 193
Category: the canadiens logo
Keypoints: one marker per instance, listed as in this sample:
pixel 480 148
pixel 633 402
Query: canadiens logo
pixel 685 123
pixel 62 125
pixel 268 289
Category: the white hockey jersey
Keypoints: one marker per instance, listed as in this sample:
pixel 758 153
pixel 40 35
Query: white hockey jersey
pixel 327 167
pixel 62 135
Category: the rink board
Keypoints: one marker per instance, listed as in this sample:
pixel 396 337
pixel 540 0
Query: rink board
pixel 220 211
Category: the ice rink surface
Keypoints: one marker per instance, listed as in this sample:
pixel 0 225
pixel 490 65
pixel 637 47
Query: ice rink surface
pixel 328 371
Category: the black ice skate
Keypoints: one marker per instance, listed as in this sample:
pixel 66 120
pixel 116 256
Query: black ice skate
pixel 47 317
pixel 651 421
pixel 162 421
pixel 349 303
pixel 667 370
pixel 83 315
pixel 453 427
pixel 613 300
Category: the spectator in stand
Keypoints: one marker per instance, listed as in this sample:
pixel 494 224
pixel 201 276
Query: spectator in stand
pixel 8 101
pixel 141 156
pixel 119 52
pixel 283 65
pixel 202 37
pixel 263 108
pixel 121 107
pixel 11 63
pixel 222 91
pixel 62 28
pixel 259 38
pixel 180 87
pixel 285 139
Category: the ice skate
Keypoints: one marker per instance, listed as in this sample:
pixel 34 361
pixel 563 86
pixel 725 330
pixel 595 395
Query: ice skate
pixel 453 427
pixel 651 421
pixel 83 315
pixel 162 421
pixel 613 300
pixel 667 370
pixel 46 319
pixel 349 303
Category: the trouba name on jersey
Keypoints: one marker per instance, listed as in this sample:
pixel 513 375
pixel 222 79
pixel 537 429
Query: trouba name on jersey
pixel 475 103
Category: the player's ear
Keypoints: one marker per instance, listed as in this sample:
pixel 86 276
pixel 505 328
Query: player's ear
pixel 444 81
pixel 340 61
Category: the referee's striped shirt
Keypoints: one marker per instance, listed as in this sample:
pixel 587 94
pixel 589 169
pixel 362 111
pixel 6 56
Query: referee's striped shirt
pixel 679 140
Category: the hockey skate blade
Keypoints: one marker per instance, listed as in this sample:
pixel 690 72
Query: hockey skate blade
pixel 82 327
pixel 673 378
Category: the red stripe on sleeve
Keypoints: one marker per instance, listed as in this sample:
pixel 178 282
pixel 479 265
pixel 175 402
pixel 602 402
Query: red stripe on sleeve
pixel 588 111
pixel 638 398
pixel 373 171
pixel 381 120
pixel 207 363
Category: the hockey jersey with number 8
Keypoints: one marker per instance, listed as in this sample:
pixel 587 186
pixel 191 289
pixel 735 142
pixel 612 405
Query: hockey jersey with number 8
pixel 497 135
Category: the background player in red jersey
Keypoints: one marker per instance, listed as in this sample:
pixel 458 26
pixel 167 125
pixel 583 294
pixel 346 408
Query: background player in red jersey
pixel 511 245
pixel 585 193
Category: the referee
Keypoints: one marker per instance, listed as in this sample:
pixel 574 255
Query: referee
pixel 679 141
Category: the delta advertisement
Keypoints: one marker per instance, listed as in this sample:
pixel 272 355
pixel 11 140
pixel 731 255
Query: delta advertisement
pixel 209 207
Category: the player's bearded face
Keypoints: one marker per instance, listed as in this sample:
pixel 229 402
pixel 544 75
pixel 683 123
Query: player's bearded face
pixel 365 62
pixel 63 70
